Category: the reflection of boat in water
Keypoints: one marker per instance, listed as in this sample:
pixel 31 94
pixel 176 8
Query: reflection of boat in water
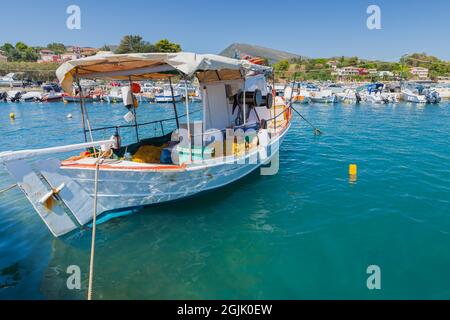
pixel 242 129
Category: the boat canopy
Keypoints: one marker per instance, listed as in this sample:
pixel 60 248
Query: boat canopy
pixel 144 66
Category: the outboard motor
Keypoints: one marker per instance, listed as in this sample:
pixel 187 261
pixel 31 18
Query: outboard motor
pixel 3 96
pixel 433 97
pixel 16 97
pixel 358 98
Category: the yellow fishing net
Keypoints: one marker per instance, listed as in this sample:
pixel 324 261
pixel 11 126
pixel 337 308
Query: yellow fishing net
pixel 148 154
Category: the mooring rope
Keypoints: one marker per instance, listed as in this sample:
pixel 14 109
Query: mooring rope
pixel 317 132
pixel 94 223
pixel 9 188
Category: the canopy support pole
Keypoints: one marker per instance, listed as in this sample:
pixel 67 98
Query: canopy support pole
pixel 244 108
pixel 133 99
pixel 188 116
pixel 174 104
pixel 81 105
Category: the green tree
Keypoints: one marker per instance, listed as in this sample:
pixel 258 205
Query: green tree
pixel 132 44
pixel 20 46
pixel 105 48
pixel 165 45
pixel 282 65
pixel 57 48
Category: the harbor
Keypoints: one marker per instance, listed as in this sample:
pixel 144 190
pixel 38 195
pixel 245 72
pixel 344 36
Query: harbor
pixel 325 226
pixel 216 164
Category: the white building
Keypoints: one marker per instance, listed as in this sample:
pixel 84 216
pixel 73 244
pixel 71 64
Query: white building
pixel 419 72
pixel 385 74
pixel 347 71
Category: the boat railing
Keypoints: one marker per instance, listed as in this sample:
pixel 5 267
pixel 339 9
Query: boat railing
pixel 24 154
pixel 161 123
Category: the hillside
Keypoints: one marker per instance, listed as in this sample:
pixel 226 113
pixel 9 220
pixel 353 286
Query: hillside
pixel 243 49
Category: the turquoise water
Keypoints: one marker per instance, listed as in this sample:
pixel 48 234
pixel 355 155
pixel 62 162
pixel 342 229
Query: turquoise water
pixel 305 233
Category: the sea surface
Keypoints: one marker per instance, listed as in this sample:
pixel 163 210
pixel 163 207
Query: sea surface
pixel 308 232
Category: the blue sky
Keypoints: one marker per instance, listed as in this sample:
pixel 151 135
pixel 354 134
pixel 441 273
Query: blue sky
pixel 317 28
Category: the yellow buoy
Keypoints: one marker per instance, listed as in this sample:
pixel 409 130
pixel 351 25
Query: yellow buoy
pixel 353 170
pixel 12 115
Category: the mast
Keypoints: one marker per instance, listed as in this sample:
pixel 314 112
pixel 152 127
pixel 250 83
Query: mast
pixel 188 117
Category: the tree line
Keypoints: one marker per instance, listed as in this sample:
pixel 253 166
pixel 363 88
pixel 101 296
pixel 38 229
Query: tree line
pixel 318 69
pixel 22 58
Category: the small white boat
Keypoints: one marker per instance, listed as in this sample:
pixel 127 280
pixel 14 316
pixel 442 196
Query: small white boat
pixel 242 129
pixel 166 95
pixel 322 96
pixel 14 95
pixel 348 96
pixel 52 97
pixel 374 94
pixel 10 80
pixel 114 96
pixel 31 96
pixel 410 95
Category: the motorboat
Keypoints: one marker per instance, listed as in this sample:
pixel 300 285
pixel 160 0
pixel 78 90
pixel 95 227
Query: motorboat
pixel 52 96
pixel 182 85
pixel 413 93
pixel 14 95
pixel 166 95
pixel 114 96
pixel 31 96
pixel 348 96
pixel 10 80
pixel 77 99
pixel 374 94
pixel 242 128
pixel 322 96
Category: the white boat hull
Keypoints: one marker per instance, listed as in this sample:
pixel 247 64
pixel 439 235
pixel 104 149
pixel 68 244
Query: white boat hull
pixel 414 98
pixel 166 99
pixel 124 189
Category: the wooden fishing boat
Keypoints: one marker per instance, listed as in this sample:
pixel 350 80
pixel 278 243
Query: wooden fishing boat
pixel 242 128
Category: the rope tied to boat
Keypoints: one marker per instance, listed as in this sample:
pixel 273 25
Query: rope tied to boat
pixel 94 225
pixel 8 188
pixel 317 131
